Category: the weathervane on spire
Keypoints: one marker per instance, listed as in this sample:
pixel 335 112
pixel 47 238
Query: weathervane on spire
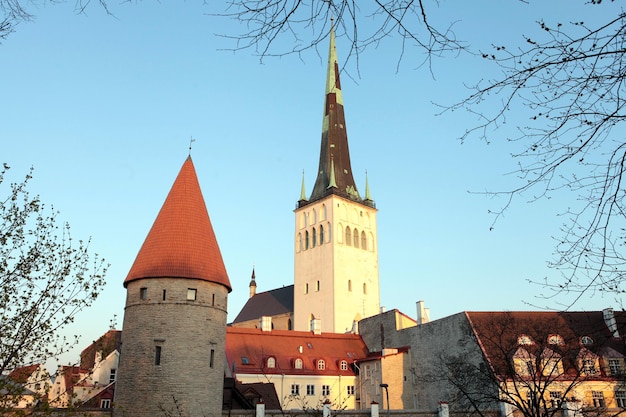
pixel 191 140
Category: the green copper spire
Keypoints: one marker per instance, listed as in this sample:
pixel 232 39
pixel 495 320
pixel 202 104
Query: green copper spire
pixel 332 183
pixel 335 172
pixel 302 189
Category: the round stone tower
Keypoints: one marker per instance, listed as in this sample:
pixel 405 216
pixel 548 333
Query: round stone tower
pixel 174 331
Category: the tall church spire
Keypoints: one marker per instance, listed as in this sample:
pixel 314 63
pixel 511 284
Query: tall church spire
pixel 334 153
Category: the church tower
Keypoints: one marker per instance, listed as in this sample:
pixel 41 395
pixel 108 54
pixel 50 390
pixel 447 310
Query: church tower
pixel 174 331
pixel 336 254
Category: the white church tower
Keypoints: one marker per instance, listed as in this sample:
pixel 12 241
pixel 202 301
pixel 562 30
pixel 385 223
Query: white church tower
pixel 336 255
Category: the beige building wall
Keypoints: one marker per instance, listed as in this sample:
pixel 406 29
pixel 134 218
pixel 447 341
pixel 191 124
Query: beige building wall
pixel 336 264
pixel 339 395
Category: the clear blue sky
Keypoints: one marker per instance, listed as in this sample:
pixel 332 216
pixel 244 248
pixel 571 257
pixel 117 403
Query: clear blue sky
pixel 104 107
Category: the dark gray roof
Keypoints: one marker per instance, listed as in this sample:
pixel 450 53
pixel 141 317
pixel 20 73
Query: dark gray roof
pixel 268 303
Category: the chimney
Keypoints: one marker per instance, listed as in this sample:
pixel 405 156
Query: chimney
pixel 423 313
pixel 609 320
pixel 266 323
pixel 316 326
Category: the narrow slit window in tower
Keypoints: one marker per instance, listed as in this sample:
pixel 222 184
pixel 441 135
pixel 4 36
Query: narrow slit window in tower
pixel 157 355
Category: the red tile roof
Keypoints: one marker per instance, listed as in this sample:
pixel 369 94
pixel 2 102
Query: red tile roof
pixel 249 349
pixel 181 242
pixel 20 375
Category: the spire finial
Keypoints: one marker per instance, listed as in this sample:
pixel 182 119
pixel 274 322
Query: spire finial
pixel 367 187
pixel 191 140
pixel 302 190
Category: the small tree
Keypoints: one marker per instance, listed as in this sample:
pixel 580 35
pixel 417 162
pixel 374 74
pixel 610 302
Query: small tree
pixel 46 279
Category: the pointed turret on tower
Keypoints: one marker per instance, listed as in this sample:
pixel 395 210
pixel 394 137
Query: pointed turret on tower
pixel 336 255
pixel 253 284
pixel 174 332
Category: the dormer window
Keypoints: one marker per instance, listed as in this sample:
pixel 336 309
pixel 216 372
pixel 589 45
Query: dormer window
pixel 321 365
pixel 524 340
pixel 586 341
pixel 271 362
pixel 556 340
pixel 297 363
pixel 343 365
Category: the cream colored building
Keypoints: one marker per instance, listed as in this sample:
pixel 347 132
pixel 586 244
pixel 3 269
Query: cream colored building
pixel 307 369
pixel 336 251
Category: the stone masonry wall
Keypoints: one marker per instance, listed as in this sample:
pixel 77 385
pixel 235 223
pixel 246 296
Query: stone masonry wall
pixel 173 349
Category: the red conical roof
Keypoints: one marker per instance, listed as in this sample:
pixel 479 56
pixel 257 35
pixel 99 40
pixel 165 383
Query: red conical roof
pixel 181 242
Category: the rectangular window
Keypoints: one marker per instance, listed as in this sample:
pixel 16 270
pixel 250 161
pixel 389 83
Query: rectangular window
pixel 317 286
pixel 164 295
pixel 157 355
pixel 598 399
pixel 105 403
pixel 555 398
pixel 306 288
pixel 143 293
pixel 112 376
pixel 295 389
pixel 213 299
pixel 212 358
pixel 589 366
pixel 192 293
pixel 310 390
pixel 620 398
pixel 615 367
pixel 350 390
pixel 326 390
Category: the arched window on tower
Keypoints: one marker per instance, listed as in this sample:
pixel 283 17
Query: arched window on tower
pixel 363 241
pixel 349 285
pixel 348 236
pixel 355 240
pixel 314 220
pixel 323 212
pixel 299 242
pixel 321 234
pixel 364 288
pixel 306 240
pixel 314 238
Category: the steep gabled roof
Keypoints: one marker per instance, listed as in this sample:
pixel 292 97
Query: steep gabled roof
pixel 247 351
pixel 268 303
pixel 105 344
pixel 181 242
pixel 21 375
pixel 498 334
